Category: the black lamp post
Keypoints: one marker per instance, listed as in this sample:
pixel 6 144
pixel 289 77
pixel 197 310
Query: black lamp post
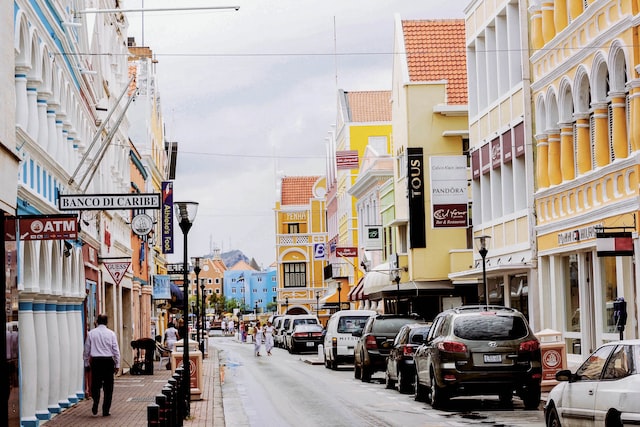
pixel 317 302
pixel 397 280
pixel 197 270
pixel 482 250
pixel 339 295
pixel 286 305
pixel 186 214
pixel 202 318
pixel 255 311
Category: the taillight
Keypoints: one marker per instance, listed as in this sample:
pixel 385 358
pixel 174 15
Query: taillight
pixel 371 343
pixel 316 334
pixel 334 342
pixel 531 345
pixel 299 334
pixel 407 350
pixel 452 347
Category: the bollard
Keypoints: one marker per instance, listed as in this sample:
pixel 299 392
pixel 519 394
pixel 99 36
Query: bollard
pixel 320 352
pixel 161 401
pixel 167 391
pixel 153 415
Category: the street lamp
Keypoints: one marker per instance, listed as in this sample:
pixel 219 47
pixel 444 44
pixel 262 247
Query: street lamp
pixel 197 270
pixel 186 214
pixel 482 250
pixel 255 312
pixel 397 280
pixel 286 305
pixel 339 295
pixel 317 302
pixel 203 317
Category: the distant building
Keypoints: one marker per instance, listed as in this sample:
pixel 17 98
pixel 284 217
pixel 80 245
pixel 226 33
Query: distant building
pixel 253 290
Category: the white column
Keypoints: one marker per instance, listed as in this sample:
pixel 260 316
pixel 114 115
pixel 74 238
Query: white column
pixel 53 339
pixel 59 151
pixel 42 346
pixel 52 138
pixel 32 108
pixel 63 346
pixel 22 109
pixel 28 362
pixel 78 384
pixel 43 128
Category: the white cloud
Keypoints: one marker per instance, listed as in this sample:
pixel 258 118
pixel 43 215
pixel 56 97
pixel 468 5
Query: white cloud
pixel 253 92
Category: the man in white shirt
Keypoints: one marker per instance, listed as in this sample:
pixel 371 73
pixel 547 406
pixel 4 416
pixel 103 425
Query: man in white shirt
pixel 102 354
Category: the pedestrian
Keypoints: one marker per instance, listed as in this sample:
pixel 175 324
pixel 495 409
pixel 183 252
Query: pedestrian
pixel 223 327
pixel 258 338
pixel 230 326
pixel 102 355
pixel 268 338
pixel 171 335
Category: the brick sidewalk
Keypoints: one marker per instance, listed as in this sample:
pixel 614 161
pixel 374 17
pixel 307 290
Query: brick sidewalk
pixel 133 393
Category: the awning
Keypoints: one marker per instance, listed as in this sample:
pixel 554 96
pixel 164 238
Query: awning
pixel 419 285
pixel 376 279
pixel 332 294
pixel 356 290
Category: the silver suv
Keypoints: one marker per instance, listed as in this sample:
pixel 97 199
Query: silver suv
pixel 473 350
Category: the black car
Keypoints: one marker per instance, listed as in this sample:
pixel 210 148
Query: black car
pixel 472 350
pixel 375 341
pixel 305 337
pixel 400 370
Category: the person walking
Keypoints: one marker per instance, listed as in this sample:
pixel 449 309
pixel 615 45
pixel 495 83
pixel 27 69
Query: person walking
pixel 268 338
pixel 258 338
pixel 171 336
pixel 102 355
pixel 223 326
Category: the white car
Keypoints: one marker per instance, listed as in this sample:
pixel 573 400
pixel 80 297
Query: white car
pixel 604 391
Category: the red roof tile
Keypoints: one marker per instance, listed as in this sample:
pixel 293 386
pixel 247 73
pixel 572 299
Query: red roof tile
pixel 371 106
pixel 436 51
pixel 297 190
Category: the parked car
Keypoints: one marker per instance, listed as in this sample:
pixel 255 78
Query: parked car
pixel 400 370
pixel 339 341
pixel 604 391
pixel 374 342
pixel 277 325
pixel 278 338
pixel 305 337
pixel 473 350
pixel 295 320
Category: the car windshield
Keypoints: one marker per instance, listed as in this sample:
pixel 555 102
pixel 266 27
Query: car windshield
pixel 304 322
pixel 350 324
pixel 390 325
pixel 417 335
pixel 308 327
pixel 489 327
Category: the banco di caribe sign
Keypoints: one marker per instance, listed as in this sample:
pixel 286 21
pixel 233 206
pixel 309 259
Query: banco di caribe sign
pixel 83 202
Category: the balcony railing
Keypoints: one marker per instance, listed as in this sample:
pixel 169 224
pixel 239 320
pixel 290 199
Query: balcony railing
pixel 294 239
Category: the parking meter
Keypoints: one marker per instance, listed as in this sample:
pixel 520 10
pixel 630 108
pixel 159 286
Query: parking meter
pixel 620 314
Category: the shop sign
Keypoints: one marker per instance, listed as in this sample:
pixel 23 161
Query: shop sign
pixel 46 227
pixel 574 236
pixel 347 252
pixel 614 244
pixel 83 202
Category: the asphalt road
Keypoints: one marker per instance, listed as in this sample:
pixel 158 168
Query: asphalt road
pixel 285 390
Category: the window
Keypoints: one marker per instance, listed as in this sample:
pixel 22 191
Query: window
pixel 620 364
pixel 233 290
pixel 295 274
pixel 255 291
pixel 209 281
pixel 273 278
pixel 293 228
pixel 259 278
pixel 592 367
pixel 274 289
pixel 217 280
pixel 264 290
pixel 217 291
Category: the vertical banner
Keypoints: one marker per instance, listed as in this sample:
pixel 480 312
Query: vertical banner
pixel 415 181
pixel 449 197
pixel 161 287
pixel 167 217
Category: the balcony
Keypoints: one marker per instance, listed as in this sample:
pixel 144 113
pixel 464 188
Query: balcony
pixel 293 239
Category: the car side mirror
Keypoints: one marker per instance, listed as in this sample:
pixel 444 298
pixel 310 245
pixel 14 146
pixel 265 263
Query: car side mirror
pixel 564 375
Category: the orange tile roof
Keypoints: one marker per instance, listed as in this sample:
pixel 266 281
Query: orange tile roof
pixel 436 51
pixel 370 106
pixel 297 190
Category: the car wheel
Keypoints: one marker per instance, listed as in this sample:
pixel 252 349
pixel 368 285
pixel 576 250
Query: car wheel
pixel 404 381
pixel 531 396
pixel 613 419
pixel 334 364
pixel 365 374
pixel 388 382
pixel 419 393
pixel 439 397
pixel 326 362
pixel 553 420
pixel 356 371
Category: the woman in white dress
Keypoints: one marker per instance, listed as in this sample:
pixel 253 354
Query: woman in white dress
pixel 171 336
pixel 258 338
pixel 268 338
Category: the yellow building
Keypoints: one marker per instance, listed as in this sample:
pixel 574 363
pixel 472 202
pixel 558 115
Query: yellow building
pixel 502 179
pixel 430 127
pixel 586 112
pixel 301 238
pixel 363 128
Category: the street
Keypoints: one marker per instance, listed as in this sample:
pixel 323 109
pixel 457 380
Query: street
pixel 286 390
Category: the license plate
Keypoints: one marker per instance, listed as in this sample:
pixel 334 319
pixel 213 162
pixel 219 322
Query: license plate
pixel 309 344
pixel 492 358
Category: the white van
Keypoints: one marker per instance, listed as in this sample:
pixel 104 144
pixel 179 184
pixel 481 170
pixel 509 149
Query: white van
pixel 338 340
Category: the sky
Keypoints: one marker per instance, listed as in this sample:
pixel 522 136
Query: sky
pixel 250 96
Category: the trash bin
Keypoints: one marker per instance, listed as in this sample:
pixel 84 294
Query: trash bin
pixel 553 351
pixel 195 366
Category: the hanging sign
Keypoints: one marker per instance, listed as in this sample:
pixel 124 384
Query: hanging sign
pixel 117 270
pixel 84 202
pixel 44 227
pixel 614 244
